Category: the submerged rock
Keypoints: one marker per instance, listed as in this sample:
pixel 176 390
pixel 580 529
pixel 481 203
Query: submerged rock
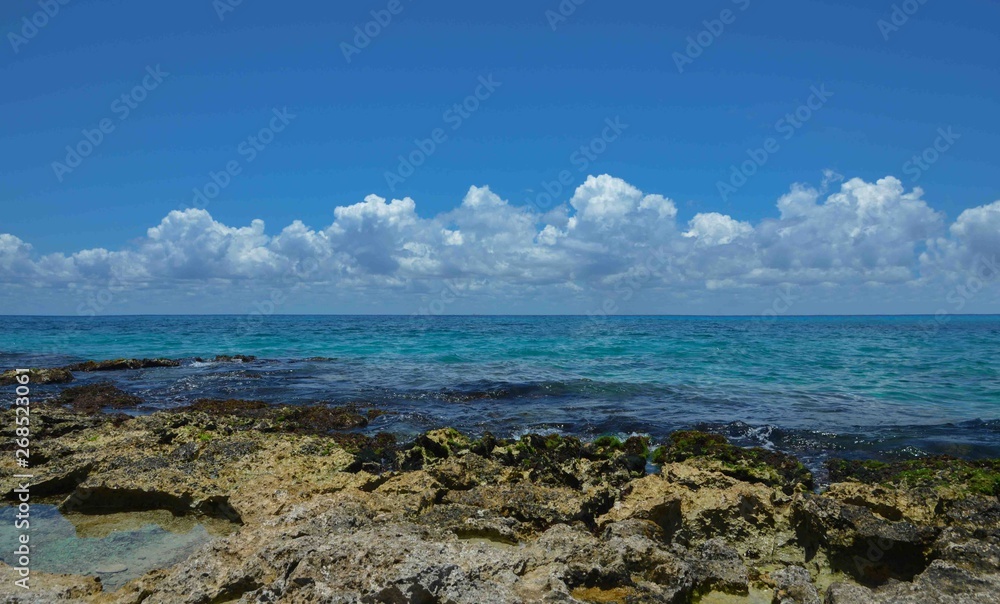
pixel 93 398
pixel 225 358
pixel 239 407
pixel 320 418
pixel 120 364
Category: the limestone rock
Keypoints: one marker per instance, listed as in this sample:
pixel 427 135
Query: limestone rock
pixel 793 585
pixel 321 514
pixel 37 376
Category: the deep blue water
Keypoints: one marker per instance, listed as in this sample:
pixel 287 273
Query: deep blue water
pixel 813 386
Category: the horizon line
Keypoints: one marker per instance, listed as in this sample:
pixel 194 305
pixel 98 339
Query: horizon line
pixel 430 316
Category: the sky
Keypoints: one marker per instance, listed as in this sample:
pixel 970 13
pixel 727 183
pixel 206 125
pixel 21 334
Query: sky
pixel 581 157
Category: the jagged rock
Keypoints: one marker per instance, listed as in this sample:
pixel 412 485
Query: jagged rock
pixel 977 550
pixel 338 550
pixel 539 505
pixel 431 446
pixel 849 593
pixel 944 583
pixel 328 516
pixel 467 471
pixel 49 422
pixel 714 452
pixel 470 522
pixel 692 505
pixel 793 585
pixel 45 588
pixel 862 543
pixel 717 567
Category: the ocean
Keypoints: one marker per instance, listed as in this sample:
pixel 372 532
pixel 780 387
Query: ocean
pixel 812 386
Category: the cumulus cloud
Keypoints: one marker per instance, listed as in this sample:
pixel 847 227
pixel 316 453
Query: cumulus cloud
pixel 977 230
pixel 15 260
pixel 868 231
pixel 609 232
pixel 717 229
pixel 971 243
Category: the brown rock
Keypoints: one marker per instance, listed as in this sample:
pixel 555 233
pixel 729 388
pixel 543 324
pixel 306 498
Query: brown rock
pixel 121 364
pixel 93 398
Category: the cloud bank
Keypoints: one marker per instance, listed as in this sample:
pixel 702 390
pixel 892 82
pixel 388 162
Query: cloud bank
pixel 612 247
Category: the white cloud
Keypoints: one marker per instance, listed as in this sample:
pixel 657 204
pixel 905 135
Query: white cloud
pixel 864 234
pixel 717 229
pixel 15 258
pixel 978 230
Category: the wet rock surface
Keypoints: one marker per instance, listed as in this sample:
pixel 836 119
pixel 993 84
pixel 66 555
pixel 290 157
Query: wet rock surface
pixel 93 398
pixel 122 364
pixel 227 358
pixel 37 376
pixel 327 514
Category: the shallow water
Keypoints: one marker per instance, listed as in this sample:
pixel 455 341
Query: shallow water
pixel 115 547
pixel 812 386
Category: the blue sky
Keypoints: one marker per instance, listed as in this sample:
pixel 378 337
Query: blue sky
pixel 891 91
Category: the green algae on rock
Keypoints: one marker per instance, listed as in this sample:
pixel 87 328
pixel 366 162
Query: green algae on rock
pixel 342 516
pixel 754 464
pixel 977 477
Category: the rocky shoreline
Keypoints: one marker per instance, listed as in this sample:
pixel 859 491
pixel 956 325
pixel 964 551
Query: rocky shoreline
pixel 326 514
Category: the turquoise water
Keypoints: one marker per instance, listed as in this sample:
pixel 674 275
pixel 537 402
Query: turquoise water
pixel 906 385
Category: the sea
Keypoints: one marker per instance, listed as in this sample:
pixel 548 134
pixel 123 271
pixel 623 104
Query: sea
pixel 816 387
